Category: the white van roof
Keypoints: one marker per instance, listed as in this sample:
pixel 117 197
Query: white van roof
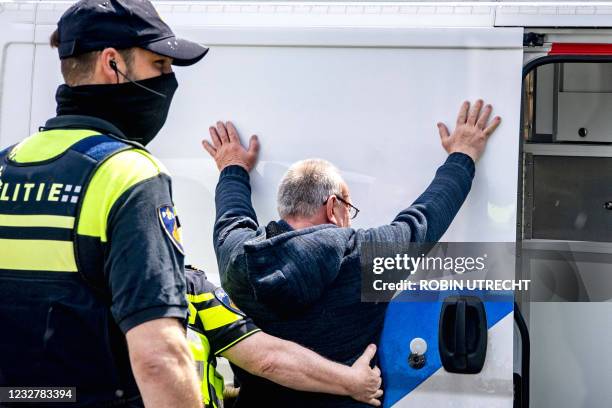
pixel 362 14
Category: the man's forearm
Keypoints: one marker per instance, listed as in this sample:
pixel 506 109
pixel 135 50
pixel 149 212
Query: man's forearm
pixel 233 194
pixel 233 204
pixel 235 221
pixel 430 215
pixel 302 369
pixel 443 198
pixel 290 365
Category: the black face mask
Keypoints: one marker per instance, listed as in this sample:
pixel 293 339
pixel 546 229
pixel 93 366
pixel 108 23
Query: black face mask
pixel 137 112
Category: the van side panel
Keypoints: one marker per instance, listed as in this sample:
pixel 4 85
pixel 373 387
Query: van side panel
pixel 16 64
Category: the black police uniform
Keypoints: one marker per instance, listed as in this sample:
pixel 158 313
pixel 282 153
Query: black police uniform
pixel 88 257
pixel 89 239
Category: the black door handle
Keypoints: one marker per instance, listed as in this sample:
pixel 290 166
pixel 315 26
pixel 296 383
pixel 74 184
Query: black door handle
pixel 462 338
pixel 460 346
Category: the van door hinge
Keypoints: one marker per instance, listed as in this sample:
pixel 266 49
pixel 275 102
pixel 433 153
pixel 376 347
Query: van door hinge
pixel 533 40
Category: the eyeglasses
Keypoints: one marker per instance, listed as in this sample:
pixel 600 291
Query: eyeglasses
pixel 353 211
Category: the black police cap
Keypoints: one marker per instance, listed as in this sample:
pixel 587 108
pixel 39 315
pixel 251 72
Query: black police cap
pixel 92 25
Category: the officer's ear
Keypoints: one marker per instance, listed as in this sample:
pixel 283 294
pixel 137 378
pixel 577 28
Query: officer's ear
pixel 110 62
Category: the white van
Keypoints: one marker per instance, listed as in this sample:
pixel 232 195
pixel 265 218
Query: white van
pixel 363 85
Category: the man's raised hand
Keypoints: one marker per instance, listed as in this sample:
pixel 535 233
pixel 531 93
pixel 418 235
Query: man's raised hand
pixel 227 150
pixel 471 131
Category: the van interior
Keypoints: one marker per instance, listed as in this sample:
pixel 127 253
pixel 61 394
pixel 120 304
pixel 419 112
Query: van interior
pixel 565 228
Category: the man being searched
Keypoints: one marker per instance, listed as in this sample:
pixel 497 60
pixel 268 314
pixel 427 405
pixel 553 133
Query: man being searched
pixel 217 327
pixel 299 278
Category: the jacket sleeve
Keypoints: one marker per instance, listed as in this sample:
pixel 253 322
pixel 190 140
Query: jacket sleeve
pixel 430 215
pixel 144 265
pixel 235 219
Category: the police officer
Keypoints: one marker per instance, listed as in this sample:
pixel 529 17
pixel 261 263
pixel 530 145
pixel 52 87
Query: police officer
pixel 218 328
pixel 92 291
pixel 91 260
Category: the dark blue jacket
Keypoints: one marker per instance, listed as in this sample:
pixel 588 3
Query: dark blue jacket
pixel 305 285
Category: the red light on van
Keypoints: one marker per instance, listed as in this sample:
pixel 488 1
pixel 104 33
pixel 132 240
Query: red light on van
pixel 580 49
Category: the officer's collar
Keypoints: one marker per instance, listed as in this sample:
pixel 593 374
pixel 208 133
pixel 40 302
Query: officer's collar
pixel 83 122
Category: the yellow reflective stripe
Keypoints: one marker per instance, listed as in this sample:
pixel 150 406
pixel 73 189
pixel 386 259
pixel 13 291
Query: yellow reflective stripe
pixel 198 344
pixel 51 221
pixel 216 379
pixel 48 144
pixel 160 166
pixel 237 341
pixel 192 314
pixel 200 349
pixel 217 316
pixel 203 297
pixel 37 255
pixel 114 177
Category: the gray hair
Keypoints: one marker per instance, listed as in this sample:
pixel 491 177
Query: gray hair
pixel 305 186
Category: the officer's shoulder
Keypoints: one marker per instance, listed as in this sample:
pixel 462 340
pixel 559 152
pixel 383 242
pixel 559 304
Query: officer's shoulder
pixel 119 173
pixel 195 275
pixel 197 282
pixel 132 163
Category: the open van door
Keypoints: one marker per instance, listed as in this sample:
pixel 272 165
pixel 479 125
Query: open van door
pixel 362 86
pixel 566 230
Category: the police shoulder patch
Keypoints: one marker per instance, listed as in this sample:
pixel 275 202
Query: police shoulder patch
pixel 225 300
pixel 171 225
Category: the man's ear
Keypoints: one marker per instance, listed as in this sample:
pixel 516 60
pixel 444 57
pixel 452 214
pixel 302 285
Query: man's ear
pixel 330 210
pixel 105 71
